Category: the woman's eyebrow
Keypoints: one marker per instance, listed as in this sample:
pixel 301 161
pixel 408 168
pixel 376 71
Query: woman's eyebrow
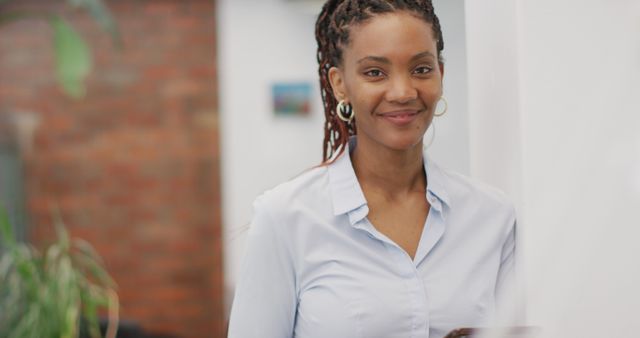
pixel 382 59
pixel 423 54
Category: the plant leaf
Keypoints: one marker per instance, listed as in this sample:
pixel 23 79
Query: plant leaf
pixel 61 231
pixel 101 15
pixel 73 61
pixel 6 230
pixel 89 260
pixel 49 294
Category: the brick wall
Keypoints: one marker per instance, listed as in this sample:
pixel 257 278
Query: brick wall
pixel 133 167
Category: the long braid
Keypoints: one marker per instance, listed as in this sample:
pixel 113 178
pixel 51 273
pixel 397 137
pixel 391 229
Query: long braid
pixel 336 132
pixel 332 35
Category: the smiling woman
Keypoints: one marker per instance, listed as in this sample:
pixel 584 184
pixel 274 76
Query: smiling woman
pixel 377 241
pixel 392 78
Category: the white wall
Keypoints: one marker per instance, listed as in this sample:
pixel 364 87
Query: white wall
pixel 451 144
pixel 262 41
pixel 563 138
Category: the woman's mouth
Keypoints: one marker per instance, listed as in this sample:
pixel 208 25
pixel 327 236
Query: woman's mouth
pixel 400 118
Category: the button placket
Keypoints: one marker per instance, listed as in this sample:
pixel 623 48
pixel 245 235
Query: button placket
pixel 424 306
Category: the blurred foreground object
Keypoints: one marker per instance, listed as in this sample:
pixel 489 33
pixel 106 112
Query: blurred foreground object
pixel 506 332
pixel 52 294
pixel 73 58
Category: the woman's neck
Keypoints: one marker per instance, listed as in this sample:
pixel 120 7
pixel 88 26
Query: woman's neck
pixel 393 173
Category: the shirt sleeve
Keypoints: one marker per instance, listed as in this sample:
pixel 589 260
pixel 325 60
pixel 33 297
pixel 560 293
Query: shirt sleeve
pixel 265 300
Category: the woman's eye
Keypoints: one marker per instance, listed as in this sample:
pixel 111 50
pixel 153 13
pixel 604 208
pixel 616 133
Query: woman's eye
pixel 422 70
pixel 373 73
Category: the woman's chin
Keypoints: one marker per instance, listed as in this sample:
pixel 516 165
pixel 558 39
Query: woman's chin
pixel 404 142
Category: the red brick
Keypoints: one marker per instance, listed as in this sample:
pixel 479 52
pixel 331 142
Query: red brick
pixel 134 166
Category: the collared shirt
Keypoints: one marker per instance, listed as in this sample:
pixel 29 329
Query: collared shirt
pixel 315 267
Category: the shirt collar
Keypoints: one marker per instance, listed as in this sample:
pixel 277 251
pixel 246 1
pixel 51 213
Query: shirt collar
pixel 345 188
pixel 347 196
pixel 436 180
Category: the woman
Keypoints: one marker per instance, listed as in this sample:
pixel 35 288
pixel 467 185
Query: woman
pixel 378 241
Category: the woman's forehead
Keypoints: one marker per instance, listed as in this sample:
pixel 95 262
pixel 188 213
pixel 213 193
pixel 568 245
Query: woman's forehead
pixel 391 33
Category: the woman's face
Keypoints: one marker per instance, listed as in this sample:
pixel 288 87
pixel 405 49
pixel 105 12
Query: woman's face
pixel 391 76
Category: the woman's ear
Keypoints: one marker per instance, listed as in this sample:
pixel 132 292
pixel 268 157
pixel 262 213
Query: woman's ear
pixel 336 78
pixel 441 66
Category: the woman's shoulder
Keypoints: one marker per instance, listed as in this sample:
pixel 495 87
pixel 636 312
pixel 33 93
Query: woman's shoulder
pixel 307 187
pixel 463 188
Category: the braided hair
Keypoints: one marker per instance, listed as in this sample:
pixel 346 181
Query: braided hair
pixel 332 35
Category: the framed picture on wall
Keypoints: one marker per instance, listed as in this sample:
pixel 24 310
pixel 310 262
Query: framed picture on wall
pixel 291 98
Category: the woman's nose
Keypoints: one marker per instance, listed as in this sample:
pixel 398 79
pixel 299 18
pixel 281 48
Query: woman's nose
pixel 401 90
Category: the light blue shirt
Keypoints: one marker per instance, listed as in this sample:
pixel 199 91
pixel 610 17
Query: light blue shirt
pixel 315 267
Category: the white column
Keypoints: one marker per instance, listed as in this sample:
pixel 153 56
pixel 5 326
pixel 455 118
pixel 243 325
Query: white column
pixel 555 121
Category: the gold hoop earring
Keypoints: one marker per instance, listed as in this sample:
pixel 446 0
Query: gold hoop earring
pixel 446 107
pixel 433 136
pixel 342 109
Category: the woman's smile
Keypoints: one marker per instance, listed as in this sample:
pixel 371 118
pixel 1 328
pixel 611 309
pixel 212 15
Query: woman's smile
pixel 400 118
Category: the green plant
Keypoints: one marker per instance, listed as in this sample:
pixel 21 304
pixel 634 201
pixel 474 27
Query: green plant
pixel 49 294
pixel 73 58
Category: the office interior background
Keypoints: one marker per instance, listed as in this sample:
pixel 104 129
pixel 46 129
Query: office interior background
pixel 158 165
